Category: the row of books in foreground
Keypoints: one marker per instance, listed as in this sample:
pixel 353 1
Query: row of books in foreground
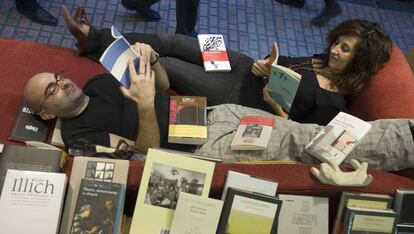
pixel 173 198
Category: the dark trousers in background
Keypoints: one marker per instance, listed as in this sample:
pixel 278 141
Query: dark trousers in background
pixel 186 16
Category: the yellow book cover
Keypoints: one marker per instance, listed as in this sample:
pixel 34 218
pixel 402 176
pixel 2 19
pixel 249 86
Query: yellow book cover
pixel 165 175
pixel 187 123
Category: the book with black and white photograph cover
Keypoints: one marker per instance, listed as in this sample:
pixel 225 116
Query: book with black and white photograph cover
pixel 31 202
pixel 253 133
pixel 165 175
pixel 214 53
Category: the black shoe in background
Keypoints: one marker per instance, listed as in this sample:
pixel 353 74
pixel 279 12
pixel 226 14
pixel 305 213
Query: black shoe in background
pixel 294 3
pixel 147 14
pixel 33 11
pixel 327 13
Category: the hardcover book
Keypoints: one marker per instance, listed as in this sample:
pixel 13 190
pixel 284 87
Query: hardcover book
pixel 253 133
pixel 303 214
pixel 404 229
pixel 196 214
pixel 249 183
pixel 366 221
pixel 336 141
pixel 31 202
pixel 99 207
pixel 29 159
pixel 115 58
pixel 29 126
pixel 404 205
pixel 97 169
pixel 364 200
pixel 248 212
pixel 57 134
pixel 165 175
pixel 214 53
pixel 187 123
pixel 283 82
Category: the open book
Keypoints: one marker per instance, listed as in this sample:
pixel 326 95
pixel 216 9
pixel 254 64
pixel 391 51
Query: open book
pixel 336 141
pixel 115 58
pixel 283 82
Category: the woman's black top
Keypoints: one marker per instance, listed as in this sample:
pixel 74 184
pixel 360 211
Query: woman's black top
pixel 312 104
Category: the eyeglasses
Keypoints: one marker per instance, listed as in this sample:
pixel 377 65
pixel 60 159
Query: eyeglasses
pixel 52 88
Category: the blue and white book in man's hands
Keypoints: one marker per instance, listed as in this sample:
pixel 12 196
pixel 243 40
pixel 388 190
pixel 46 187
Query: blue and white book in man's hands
pixel 115 58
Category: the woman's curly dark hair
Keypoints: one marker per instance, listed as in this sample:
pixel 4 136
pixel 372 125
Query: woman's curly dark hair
pixel 372 52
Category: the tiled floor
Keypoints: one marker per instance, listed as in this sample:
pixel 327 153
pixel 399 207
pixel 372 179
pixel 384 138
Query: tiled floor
pixel 249 26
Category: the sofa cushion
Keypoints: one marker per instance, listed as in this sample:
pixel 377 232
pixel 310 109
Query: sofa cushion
pixel 390 93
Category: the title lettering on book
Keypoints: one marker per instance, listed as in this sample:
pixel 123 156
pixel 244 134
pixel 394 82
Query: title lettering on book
pixel 31 128
pixel 37 185
pixel 27 110
pixel 95 190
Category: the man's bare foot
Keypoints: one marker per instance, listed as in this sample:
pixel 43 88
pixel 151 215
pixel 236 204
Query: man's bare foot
pixel 78 27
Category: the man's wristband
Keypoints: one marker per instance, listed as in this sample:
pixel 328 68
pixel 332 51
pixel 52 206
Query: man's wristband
pixel 157 58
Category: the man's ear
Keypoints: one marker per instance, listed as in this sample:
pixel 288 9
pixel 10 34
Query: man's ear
pixel 45 115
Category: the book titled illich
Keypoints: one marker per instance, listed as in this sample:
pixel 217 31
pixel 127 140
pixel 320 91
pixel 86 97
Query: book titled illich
pixel 31 202
pixel 187 122
pixel 214 53
pixel 253 133
pixel 337 139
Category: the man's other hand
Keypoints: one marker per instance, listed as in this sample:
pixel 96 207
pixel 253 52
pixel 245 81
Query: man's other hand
pixel 142 89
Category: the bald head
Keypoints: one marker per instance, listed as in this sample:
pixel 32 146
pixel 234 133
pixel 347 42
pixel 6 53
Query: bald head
pixel 54 96
pixel 34 91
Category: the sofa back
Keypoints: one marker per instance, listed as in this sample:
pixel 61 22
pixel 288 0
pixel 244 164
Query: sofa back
pixel 390 93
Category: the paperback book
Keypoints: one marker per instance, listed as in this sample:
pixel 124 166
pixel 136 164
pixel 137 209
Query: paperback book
pixel 336 140
pixel 29 159
pixel 165 176
pixel 404 205
pixel 247 212
pixel 366 221
pixel 96 169
pixel 364 200
pixel 115 58
pixel 253 133
pixel 196 214
pixel 283 82
pixel 214 53
pixel 29 126
pixel 249 183
pixel 303 214
pixel 187 122
pixel 99 207
pixel 31 202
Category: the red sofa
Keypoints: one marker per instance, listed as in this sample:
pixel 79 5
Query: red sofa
pixel 391 95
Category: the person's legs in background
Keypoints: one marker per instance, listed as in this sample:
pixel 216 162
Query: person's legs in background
pixel 186 15
pixel 32 10
pixel 143 7
pixel 331 10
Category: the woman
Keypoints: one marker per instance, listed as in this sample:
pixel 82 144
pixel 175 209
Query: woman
pixel 357 50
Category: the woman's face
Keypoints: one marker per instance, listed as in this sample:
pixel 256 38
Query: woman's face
pixel 342 53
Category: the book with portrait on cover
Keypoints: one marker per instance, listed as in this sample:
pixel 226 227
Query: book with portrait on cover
pixel 253 133
pixel 196 214
pixel 337 139
pixel 31 202
pixel 29 126
pixel 247 212
pixel 115 58
pixel 214 53
pixel 165 175
pixel 98 207
pixel 188 120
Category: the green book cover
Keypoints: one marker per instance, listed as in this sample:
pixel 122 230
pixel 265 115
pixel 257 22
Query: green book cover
pixel 283 85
